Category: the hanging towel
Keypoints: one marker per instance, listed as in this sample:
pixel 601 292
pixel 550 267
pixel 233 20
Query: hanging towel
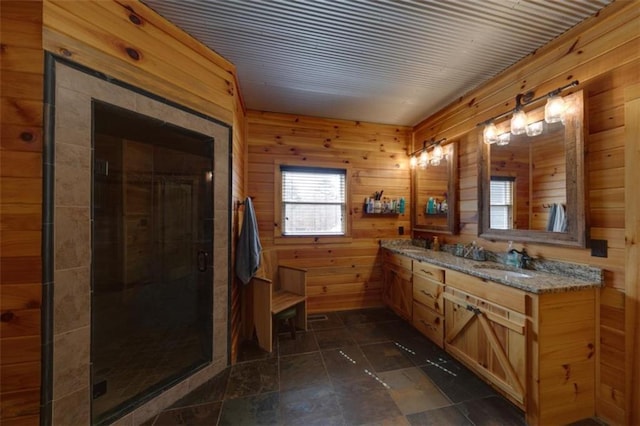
pixel 559 223
pixel 249 247
pixel 552 217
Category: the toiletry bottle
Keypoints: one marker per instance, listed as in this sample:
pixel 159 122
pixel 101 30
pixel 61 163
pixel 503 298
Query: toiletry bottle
pixel 512 257
pixel 431 206
pixel 445 207
pixel 436 244
pixel 401 209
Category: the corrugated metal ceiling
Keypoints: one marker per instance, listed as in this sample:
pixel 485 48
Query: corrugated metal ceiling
pixel 381 61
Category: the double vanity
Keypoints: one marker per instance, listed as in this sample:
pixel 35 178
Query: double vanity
pixel 531 334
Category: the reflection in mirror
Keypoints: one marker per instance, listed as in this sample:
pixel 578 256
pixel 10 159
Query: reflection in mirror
pixel 528 176
pixel 434 194
pixel 531 188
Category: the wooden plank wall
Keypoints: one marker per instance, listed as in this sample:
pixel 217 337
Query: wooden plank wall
pixel 604 54
pixel 20 211
pixel 341 275
pixel 106 36
pixel 632 237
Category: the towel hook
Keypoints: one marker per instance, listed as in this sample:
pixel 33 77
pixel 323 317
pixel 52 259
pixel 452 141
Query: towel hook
pixel 241 203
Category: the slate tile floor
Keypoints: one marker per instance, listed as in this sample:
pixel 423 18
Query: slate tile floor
pixel 363 367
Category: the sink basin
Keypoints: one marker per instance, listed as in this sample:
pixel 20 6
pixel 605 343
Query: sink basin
pixel 415 250
pixel 514 274
pixel 503 270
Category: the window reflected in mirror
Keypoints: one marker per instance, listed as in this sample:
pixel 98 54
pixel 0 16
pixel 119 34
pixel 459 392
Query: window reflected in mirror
pixel 502 202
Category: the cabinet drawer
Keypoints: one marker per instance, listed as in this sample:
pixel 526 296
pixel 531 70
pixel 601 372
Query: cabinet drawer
pixel 428 292
pixel 500 294
pixel 429 323
pixel 428 271
pixel 397 259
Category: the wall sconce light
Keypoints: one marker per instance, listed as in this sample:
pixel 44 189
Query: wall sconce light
pixel 490 133
pixel 554 112
pixel 554 109
pixel 437 154
pixel 421 157
pixel 504 139
pixel 535 129
pixel 424 159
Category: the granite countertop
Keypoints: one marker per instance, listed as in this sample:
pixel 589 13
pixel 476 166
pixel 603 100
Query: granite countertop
pixel 532 281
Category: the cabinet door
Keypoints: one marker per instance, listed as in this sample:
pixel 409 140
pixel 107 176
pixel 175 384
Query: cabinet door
pixel 489 339
pixel 397 290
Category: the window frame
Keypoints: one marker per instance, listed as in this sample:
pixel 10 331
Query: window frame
pixel 511 214
pixel 279 237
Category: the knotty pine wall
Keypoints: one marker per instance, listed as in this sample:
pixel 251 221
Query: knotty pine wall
pixel 340 275
pixel 604 54
pixel 21 82
pixel 97 35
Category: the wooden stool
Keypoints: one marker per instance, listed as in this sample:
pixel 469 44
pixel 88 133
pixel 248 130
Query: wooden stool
pixel 288 315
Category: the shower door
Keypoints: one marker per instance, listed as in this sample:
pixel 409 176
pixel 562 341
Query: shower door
pixel 151 265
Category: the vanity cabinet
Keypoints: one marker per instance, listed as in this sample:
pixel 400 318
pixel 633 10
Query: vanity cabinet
pixel 537 349
pixel 428 307
pixel 486 330
pixel 397 288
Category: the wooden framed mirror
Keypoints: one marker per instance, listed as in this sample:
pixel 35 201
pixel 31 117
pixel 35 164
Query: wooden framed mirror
pixel 532 189
pixel 434 194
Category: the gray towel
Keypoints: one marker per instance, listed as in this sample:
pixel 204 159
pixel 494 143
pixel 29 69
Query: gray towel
pixel 249 247
pixel 552 216
pixel 560 220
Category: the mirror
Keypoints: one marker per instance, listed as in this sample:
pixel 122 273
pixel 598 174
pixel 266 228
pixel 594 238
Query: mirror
pixel 434 194
pixel 532 188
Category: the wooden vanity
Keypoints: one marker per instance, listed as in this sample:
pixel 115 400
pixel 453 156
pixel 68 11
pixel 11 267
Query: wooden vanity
pixel 537 349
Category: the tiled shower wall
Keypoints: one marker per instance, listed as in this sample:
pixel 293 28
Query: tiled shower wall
pixel 71 388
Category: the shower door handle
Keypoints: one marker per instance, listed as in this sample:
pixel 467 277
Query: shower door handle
pixel 203 257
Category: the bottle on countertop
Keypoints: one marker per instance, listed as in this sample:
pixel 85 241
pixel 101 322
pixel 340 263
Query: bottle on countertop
pixel 512 257
pixel 436 244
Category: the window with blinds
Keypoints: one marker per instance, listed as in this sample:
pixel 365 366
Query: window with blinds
pixel 313 201
pixel 501 202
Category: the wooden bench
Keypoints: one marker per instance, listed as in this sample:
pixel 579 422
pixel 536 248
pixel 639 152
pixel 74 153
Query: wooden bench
pixel 277 288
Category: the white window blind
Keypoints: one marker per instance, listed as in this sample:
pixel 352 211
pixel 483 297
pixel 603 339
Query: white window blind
pixel 313 201
pixel 501 202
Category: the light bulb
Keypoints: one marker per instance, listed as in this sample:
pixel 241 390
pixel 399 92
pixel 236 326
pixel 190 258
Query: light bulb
pixel 519 122
pixel 504 139
pixel 436 155
pixel 424 159
pixel 554 109
pixel 490 133
pixel 413 161
pixel 535 129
